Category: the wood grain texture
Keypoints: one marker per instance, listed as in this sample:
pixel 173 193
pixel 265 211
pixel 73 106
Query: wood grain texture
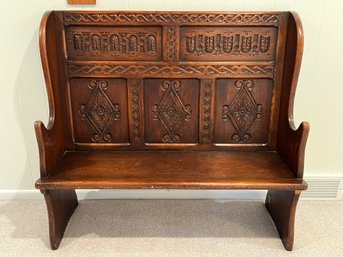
pixel 291 141
pixel 61 205
pixel 278 72
pixel 51 139
pixel 282 206
pixel 172 169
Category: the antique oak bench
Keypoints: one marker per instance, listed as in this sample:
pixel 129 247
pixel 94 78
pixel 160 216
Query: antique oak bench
pixel 171 100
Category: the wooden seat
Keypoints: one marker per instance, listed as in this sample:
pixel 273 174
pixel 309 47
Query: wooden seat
pixel 173 170
pixel 171 100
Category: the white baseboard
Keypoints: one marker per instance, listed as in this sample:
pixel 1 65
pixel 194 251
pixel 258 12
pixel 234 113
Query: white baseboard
pixel 320 188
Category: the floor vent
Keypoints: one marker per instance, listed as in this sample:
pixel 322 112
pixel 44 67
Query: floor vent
pixel 323 188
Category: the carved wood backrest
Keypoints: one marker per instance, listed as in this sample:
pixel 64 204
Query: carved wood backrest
pixel 167 80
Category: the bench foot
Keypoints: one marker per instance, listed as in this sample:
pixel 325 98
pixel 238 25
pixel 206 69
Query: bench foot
pixel 281 206
pixel 61 204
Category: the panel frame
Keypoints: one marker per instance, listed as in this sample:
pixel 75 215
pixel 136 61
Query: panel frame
pixel 174 67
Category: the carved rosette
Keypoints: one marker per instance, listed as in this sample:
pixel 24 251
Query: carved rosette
pixel 242 111
pixel 171 112
pixel 99 111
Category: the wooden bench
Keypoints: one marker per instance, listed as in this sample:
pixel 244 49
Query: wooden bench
pixel 171 100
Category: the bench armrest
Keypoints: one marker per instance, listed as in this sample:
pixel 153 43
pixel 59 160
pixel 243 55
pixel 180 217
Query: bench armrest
pixel 291 147
pixel 50 145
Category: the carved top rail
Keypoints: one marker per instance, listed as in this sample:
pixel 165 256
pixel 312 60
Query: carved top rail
pixel 171 18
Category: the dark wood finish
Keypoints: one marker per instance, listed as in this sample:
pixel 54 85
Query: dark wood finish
pixel 52 140
pixel 99 110
pixel 223 43
pixel 153 18
pixel 291 141
pixel 281 206
pixel 110 69
pixel 242 111
pixel 171 110
pixel 172 169
pixel 61 205
pixel 206 120
pixel 134 43
pixel 188 100
pixel 136 119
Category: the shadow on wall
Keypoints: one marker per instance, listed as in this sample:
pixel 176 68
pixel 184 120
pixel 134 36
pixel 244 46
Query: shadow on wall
pixel 32 101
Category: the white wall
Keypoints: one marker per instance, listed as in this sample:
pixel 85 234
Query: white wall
pixel 23 100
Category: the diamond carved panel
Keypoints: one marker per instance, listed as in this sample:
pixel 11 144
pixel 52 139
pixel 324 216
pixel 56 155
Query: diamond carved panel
pixel 171 111
pixel 99 111
pixel 242 111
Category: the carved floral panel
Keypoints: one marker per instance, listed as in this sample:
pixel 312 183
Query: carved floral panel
pixel 228 43
pixel 134 43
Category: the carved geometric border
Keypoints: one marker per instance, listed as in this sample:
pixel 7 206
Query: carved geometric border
pixel 206 99
pixel 171 46
pixel 135 96
pixel 120 18
pixel 165 70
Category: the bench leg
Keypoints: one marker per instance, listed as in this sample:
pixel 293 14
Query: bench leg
pixel 61 204
pixel 281 206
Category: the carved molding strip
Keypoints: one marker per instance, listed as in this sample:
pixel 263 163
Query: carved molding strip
pixel 165 70
pixel 242 111
pixel 266 19
pixel 171 44
pixel 135 91
pixel 99 111
pixel 206 105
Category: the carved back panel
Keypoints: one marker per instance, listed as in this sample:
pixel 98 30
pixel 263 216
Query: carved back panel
pixel 166 80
